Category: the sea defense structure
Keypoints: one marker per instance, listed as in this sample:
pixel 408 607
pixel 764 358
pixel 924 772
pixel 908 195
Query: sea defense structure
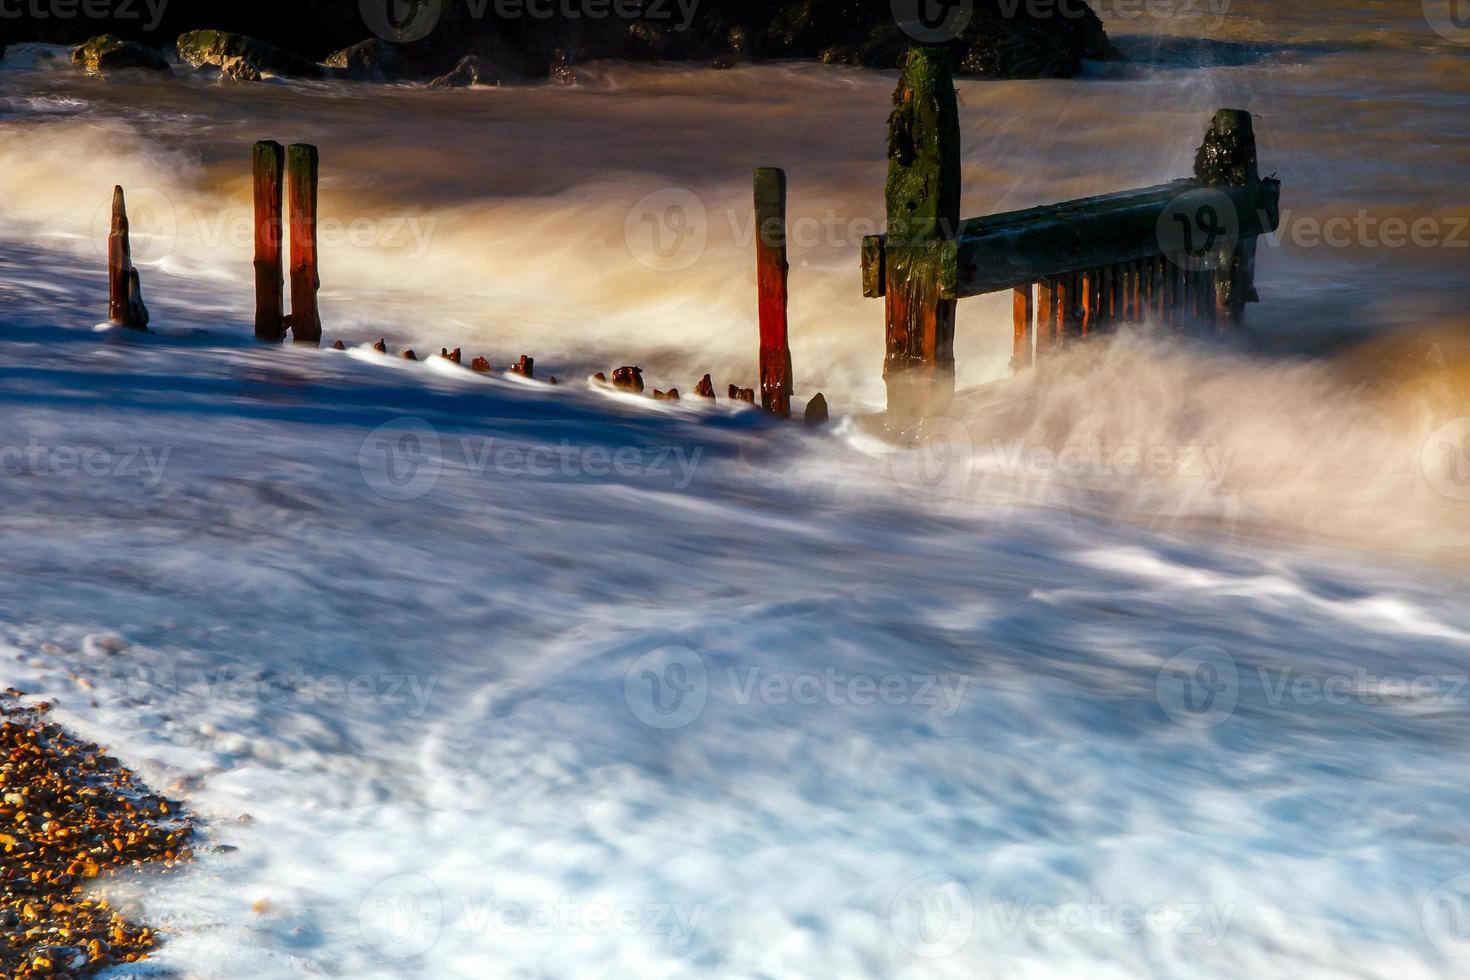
pixel 1180 253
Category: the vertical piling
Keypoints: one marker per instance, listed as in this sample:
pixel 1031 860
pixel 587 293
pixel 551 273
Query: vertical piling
pixel 125 306
pixel 269 174
pixel 1023 309
pixel 1046 315
pixel 302 164
pixel 772 271
pixel 1227 158
pixel 923 201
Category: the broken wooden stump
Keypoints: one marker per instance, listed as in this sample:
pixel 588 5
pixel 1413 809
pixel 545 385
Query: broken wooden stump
pixel 269 176
pixel 381 347
pixel 672 395
pixel 480 365
pixel 525 367
pixel 816 410
pixel 772 272
pixel 125 306
pixel 302 165
pixel 452 356
pixel 705 388
pixel 739 394
pixel 628 379
pixel 409 355
pixel 339 346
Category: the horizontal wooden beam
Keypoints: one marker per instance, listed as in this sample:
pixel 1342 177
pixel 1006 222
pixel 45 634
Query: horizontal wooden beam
pixel 1007 251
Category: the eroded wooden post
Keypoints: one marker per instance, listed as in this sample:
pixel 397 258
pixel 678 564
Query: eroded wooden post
pixel 772 271
pixel 923 199
pixel 125 307
pixel 269 174
pixel 1227 158
pixel 1023 311
pixel 302 167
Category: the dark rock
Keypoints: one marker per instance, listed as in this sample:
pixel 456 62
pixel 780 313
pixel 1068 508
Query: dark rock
pixel 373 60
pixel 525 367
pixel 200 48
pixel 474 70
pixel 705 388
pixel 109 52
pixel 629 379
pixel 237 69
pixel 816 410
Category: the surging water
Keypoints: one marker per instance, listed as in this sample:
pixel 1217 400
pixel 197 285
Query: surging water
pixel 767 837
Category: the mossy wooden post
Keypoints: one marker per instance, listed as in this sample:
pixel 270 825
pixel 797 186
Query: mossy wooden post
pixel 269 173
pixel 772 271
pixel 125 306
pixel 301 167
pixel 923 199
pixel 1227 158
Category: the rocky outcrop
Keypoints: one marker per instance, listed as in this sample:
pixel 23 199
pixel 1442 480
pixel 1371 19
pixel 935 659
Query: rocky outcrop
pixel 216 48
pixel 109 52
pixel 373 60
pixel 474 70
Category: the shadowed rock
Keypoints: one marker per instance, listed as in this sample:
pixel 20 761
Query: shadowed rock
pixel 108 52
pixel 474 70
pixel 200 48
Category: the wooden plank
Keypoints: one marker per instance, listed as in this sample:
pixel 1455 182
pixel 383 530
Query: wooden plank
pixel 1023 313
pixel 772 272
pixel 269 175
pixel 302 165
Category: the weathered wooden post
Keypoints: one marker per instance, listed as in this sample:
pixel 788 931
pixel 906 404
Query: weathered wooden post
pixel 302 164
pixel 269 173
pixel 1023 312
pixel 125 306
pixel 772 271
pixel 923 199
pixel 1227 158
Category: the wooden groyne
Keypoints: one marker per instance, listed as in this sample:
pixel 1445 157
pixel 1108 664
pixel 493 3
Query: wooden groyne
pixel 1181 253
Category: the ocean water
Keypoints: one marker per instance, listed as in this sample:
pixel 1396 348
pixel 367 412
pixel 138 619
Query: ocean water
pixel 1153 665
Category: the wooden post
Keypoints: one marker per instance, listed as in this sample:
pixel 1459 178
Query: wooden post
pixel 1069 324
pixel 1046 315
pixel 1227 158
pixel 772 271
pixel 923 200
pixel 125 307
pixel 269 172
pixel 1023 311
pixel 302 167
